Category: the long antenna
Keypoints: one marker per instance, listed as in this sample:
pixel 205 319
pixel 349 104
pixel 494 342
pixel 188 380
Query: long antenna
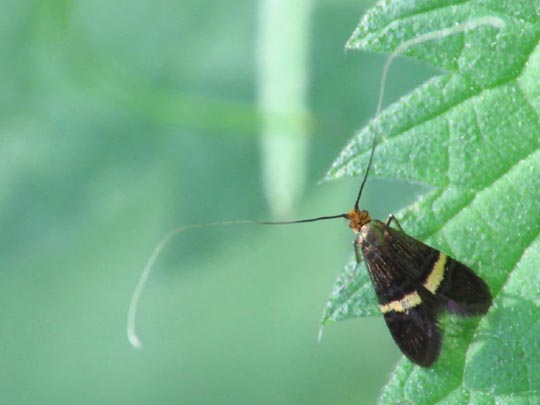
pixel 131 327
pixel 490 21
pixel 302 221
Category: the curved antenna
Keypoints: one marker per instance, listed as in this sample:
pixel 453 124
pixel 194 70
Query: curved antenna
pixel 143 278
pixel 489 21
pixel 131 328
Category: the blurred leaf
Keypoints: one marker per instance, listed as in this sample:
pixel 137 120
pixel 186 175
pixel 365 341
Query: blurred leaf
pixel 471 134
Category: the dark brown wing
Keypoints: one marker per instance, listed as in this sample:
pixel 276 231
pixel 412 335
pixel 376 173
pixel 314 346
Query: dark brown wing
pixel 462 292
pixel 413 283
pixel 416 333
pixel 402 260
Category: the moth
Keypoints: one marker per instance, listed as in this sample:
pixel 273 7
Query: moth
pixel 414 283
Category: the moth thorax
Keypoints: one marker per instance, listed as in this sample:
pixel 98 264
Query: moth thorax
pixel 357 219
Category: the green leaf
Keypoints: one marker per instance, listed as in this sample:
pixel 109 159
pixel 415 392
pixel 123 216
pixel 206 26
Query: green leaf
pixel 472 135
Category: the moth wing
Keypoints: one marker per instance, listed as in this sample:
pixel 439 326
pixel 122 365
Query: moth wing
pixel 461 291
pixel 395 263
pixel 416 333
pixel 454 286
pixel 413 282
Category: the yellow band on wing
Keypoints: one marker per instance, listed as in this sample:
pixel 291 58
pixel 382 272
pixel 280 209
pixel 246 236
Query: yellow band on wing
pixel 413 299
pixel 402 305
pixel 437 274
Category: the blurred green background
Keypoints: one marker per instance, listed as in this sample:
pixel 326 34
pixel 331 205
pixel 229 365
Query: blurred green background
pixel 121 120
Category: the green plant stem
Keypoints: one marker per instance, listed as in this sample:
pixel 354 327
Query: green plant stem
pixel 282 83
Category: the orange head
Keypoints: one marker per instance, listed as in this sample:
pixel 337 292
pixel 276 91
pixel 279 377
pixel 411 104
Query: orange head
pixel 357 219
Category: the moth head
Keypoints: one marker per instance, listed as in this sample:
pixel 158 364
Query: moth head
pixel 357 219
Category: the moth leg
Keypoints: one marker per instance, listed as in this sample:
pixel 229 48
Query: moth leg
pixel 359 259
pixel 358 252
pixel 392 218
